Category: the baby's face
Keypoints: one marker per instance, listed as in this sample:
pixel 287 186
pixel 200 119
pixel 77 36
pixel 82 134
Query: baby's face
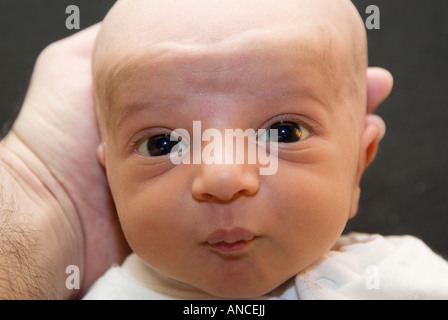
pixel 224 228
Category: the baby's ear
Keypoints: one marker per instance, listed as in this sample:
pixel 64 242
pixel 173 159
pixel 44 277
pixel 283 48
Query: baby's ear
pixel 101 154
pixel 374 131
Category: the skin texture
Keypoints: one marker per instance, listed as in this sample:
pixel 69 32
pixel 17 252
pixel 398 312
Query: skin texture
pixel 57 211
pixel 298 61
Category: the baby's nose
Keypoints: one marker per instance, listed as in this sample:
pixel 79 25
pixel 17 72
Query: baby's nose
pixel 225 182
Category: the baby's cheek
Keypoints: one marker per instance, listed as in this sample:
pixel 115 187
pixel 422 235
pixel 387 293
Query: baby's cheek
pixel 143 233
pixel 314 209
pixel 149 221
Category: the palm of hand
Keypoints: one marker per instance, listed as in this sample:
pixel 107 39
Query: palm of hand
pixel 57 123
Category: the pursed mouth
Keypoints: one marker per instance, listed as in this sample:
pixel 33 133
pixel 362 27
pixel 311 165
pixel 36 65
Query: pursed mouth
pixel 230 241
pixel 233 247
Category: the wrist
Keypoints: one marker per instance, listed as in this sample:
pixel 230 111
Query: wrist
pixel 43 234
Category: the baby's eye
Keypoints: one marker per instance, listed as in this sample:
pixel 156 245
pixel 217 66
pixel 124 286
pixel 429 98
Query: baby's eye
pixel 160 145
pixel 287 132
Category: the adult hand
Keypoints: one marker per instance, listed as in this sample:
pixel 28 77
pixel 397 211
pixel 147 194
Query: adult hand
pixel 55 139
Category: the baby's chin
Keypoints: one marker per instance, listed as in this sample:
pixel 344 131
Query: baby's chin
pixel 241 291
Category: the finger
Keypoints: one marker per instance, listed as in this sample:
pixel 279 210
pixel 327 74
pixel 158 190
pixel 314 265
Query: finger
pixel 379 86
pixel 81 43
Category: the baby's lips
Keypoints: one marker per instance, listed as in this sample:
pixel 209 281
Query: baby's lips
pixel 230 236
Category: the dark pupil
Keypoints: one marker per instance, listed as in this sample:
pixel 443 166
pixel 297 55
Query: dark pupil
pixel 287 131
pixel 160 145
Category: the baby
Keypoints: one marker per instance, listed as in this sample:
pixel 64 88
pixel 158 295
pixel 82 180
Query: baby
pixel 293 72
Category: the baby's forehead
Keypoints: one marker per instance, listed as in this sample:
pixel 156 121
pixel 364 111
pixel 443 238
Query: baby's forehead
pixel 264 64
pixel 277 49
pixel 145 49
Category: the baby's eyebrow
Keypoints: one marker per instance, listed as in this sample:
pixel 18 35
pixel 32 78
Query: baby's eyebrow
pixel 127 111
pixel 118 74
pixel 129 69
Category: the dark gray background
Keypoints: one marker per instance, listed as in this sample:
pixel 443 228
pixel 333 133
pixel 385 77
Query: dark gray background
pixel 404 192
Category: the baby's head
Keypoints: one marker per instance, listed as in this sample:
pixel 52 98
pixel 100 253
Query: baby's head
pixel 296 66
